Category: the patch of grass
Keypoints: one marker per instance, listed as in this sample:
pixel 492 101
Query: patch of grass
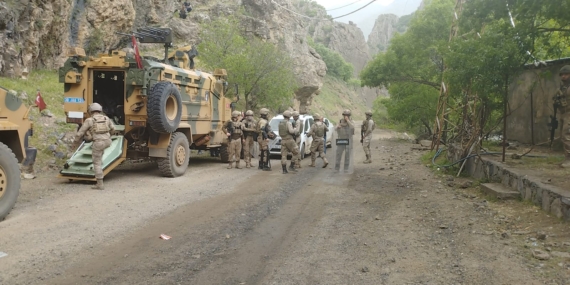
pixel 46 130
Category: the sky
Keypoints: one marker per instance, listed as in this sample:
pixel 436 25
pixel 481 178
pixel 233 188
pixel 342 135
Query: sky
pixel 366 17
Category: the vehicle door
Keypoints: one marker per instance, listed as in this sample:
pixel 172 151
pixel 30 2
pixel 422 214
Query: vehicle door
pixel 308 140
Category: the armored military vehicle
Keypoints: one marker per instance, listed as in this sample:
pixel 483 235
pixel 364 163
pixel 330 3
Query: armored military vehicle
pixel 15 129
pixel 161 108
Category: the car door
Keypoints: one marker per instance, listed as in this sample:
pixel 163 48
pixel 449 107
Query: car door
pixel 308 140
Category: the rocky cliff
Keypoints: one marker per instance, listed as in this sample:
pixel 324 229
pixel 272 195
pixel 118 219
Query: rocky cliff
pixel 37 35
pixel 384 29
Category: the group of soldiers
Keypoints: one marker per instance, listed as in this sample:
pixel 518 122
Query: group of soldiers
pixel 245 132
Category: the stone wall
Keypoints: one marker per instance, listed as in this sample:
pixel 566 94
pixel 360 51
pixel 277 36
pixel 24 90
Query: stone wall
pixel 550 198
pixel 530 102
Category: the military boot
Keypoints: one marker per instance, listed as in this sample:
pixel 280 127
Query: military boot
pixel 99 185
pixel 247 164
pixel 312 163
pixel 260 165
pixel 266 167
pixel 230 166
pixel 292 167
pixel 367 159
pixel 326 162
pixel 284 168
pixel 237 165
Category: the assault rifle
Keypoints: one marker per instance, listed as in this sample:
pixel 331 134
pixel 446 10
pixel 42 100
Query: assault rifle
pixel 361 136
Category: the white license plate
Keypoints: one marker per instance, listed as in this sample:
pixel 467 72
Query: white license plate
pixel 277 146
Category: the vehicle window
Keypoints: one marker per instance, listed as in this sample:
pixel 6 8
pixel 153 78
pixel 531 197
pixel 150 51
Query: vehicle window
pixel 327 122
pixel 274 123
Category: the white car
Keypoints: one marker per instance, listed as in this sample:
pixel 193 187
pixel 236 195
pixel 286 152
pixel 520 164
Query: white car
pixel 304 145
pixel 330 133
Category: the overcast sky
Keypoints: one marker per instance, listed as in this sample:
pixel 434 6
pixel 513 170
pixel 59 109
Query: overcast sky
pixel 365 18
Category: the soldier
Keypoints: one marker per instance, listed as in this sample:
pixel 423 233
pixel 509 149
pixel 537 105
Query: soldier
pixel 562 101
pixel 250 136
pixel 318 131
pixel 288 144
pixel 345 131
pixel 98 128
pixel 234 130
pixel 366 135
pixel 297 124
pixel 264 130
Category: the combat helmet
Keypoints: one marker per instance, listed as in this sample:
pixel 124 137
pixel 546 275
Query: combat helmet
pixel 368 113
pixel 317 116
pixel 346 112
pixel 564 70
pixel 264 111
pixel 95 107
pixel 249 113
pixel 235 114
pixel 287 114
pixel 295 114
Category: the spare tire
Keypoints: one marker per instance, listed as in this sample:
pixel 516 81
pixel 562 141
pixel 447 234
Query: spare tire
pixel 164 107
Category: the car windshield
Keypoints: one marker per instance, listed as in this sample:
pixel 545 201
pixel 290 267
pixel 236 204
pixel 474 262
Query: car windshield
pixel 274 123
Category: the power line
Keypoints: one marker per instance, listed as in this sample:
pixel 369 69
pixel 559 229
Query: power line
pixel 304 16
pixel 343 6
pixel 355 10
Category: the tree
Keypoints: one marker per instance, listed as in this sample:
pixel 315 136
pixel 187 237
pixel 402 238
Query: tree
pixel 336 65
pixel 264 73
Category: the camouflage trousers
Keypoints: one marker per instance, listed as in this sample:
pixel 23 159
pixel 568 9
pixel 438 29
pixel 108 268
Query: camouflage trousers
pixel 290 146
pixel 366 144
pixel 262 148
pixel 565 137
pixel 97 150
pixel 317 147
pixel 235 150
pixel 247 147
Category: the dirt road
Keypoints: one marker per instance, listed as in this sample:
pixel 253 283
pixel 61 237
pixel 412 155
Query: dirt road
pixel 390 222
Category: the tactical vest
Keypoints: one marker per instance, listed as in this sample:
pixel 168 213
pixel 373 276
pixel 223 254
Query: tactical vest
pixel 284 130
pixel 345 131
pixel 261 124
pixel 100 124
pixel 319 131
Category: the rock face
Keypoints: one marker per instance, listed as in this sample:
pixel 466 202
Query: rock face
pixel 384 29
pixel 44 30
pixel 346 39
pixel 277 24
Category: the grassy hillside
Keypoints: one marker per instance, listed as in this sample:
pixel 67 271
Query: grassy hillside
pixel 336 96
pixel 48 131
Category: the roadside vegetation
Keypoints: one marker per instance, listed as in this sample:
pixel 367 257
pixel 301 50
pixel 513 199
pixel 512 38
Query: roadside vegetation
pixel 477 65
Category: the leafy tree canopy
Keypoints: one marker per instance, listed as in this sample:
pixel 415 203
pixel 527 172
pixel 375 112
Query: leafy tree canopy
pixel 264 73
pixel 336 65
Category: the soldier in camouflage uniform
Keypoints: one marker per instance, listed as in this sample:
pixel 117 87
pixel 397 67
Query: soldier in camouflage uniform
pixel 288 144
pixel 250 136
pixel 234 130
pixel 562 100
pixel 98 128
pixel 265 133
pixel 297 124
pixel 318 131
pixel 366 135
pixel 345 131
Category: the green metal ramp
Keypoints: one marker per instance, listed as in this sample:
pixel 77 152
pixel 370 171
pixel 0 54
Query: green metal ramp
pixel 80 165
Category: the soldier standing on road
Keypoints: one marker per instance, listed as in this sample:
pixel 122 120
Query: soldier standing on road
pixel 345 131
pixel 299 127
pixel 265 133
pixel 250 136
pixel 366 135
pixel 318 131
pixel 288 144
pixel 562 100
pixel 98 128
pixel 234 130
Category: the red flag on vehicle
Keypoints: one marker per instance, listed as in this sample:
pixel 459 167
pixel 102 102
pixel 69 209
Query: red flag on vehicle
pixel 137 54
pixel 40 101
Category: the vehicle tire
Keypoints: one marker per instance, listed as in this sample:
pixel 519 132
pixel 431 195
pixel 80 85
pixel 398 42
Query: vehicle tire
pixel 303 151
pixel 224 153
pixel 177 156
pixel 9 180
pixel 164 107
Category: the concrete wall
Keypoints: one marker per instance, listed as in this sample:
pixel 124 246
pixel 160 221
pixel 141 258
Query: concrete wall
pixel 526 124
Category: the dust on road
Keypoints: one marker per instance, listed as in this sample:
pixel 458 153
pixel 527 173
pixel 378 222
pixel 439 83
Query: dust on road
pixel 390 222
